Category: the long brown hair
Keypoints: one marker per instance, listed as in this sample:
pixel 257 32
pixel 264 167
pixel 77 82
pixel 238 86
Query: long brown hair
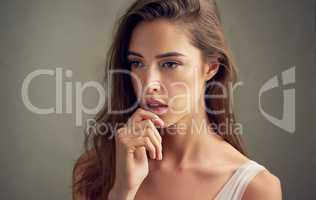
pixel 201 20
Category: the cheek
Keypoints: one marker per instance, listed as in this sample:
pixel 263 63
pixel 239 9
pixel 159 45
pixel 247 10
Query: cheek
pixel 184 94
pixel 187 82
pixel 180 96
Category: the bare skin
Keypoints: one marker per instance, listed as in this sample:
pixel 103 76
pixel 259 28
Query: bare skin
pixel 194 164
pixel 200 178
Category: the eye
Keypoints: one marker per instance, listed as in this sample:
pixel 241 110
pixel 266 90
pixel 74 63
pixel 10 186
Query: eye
pixel 135 64
pixel 170 65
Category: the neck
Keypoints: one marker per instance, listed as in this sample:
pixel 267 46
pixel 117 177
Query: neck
pixel 189 140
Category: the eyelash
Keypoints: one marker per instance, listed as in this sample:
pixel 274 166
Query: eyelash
pixel 169 62
pixel 173 63
pixel 130 63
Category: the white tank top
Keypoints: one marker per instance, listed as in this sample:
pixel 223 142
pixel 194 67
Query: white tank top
pixel 236 185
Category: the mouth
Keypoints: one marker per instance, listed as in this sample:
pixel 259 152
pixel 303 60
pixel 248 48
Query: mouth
pixel 156 106
pixel 159 110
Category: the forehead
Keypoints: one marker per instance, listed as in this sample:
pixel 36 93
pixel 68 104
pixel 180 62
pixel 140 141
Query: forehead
pixel 160 36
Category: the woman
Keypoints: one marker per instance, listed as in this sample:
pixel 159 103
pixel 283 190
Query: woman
pixel 181 140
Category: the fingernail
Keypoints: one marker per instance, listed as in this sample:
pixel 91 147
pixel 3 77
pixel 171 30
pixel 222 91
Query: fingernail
pixel 161 123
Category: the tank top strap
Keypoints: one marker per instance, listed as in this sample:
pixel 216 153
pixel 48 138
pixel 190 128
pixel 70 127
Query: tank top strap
pixel 237 184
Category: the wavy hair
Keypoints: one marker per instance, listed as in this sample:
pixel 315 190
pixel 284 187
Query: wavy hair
pixel 94 173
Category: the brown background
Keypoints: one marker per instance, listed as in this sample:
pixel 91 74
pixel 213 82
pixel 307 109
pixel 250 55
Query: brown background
pixel 38 151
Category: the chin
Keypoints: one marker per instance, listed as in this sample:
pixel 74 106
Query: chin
pixel 170 119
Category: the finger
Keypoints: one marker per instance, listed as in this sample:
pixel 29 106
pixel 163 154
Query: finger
pixel 147 128
pixel 145 142
pixel 142 114
pixel 139 128
pixel 121 132
pixel 154 140
pixel 158 136
pixel 156 132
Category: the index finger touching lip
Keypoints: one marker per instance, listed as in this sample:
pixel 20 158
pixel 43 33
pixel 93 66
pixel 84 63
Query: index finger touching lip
pixel 158 122
pixel 144 114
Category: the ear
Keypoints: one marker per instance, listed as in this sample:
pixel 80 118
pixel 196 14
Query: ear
pixel 211 69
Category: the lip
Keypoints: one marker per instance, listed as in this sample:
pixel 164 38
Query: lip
pixel 157 110
pixel 154 101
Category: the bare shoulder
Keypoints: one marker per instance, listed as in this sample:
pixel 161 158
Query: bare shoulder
pixel 264 185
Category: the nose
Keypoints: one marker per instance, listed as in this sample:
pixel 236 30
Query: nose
pixel 153 87
pixel 152 82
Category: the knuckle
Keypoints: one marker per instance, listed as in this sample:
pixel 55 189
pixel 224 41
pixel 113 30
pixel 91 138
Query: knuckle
pixel 121 140
pixel 120 135
pixel 128 147
pixel 137 132
pixel 147 140
pixel 130 119
pixel 147 124
pixel 149 132
pixel 120 130
pixel 148 129
pixel 138 111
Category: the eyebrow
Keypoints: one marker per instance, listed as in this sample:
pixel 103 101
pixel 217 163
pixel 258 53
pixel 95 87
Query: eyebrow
pixel 168 54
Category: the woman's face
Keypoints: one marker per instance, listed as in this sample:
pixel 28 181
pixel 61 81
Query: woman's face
pixel 167 67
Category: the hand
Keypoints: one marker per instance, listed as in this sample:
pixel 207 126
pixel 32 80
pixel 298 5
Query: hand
pixel 132 140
